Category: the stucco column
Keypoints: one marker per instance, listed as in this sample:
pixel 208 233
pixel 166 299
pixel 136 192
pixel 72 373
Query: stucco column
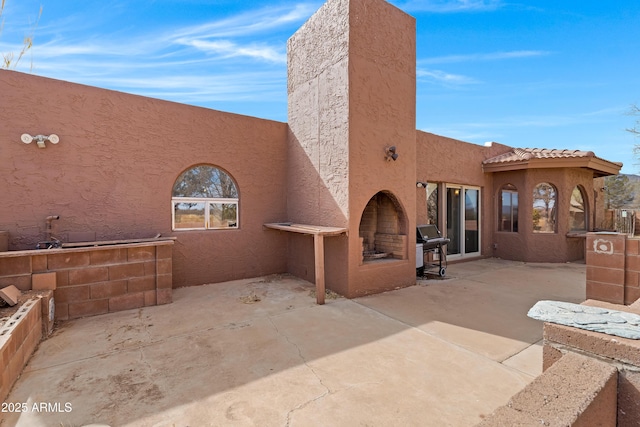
pixel 606 267
pixel 351 93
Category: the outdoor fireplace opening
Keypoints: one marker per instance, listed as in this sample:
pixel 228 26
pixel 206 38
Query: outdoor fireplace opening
pixel 383 229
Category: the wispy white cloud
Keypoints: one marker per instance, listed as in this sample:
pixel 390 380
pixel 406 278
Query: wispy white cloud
pixel 223 37
pixel 462 134
pixel 218 60
pixel 551 120
pixel 492 56
pixel 451 79
pixel 449 6
pixel 228 49
pixel 61 49
pixel 248 23
pixel 527 121
pixel 444 77
pixel 246 86
pixel 617 111
pixel 480 131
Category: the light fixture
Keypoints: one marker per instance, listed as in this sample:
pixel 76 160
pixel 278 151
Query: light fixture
pixel 390 153
pixel 40 139
pixel 421 184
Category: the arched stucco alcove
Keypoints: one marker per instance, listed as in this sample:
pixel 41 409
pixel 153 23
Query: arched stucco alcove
pixel 383 228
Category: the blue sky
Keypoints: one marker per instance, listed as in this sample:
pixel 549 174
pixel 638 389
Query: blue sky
pixel 546 74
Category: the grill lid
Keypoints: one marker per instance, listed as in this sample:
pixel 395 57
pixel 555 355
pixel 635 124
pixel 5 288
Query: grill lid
pixel 430 235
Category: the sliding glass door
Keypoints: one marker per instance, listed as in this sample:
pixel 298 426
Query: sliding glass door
pixel 463 221
pixel 472 221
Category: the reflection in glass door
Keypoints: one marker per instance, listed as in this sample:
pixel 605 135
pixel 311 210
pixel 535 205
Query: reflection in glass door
pixel 471 224
pixel 463 220
pixel 453 220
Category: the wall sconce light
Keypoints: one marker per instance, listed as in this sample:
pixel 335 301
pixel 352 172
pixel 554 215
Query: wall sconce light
pixel 390 153
pixel 421 184
pixel 40 139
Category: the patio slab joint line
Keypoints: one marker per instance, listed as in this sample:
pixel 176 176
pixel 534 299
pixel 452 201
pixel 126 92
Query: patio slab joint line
pixel 437 337
pixel 540 342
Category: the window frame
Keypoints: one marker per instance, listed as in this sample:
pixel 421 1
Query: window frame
pixel 585 209
pixel 208 202
pixel 553 209
pixel 511 190
pixel 459 234
pixel 207 212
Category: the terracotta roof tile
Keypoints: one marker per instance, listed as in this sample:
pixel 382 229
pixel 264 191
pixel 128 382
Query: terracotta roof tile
pixel 534 158
pixel 524 154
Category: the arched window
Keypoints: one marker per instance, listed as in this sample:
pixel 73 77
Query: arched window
pixel 508 209
pixel 204 197
pixel 578 210
pixel 544 208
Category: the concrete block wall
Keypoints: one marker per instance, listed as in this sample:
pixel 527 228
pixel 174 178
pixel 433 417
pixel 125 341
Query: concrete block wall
pixel 621 353
pixel 97 280
pixel 368 226
pixel 576 391
pixel 632 270
pixel 387 217
pixel 613 268
pixel 392 243
pixel 589 379
pixel 19 337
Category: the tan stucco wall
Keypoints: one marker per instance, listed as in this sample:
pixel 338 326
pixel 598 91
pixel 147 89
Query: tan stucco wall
pixel 511 245
pixel 443 159
pixel 351 94
pixel 113 171
pixel 318 118
pixel 382 103
pixel 598 216
pixel 542 247
pixel 318 144
pixel 351 88
pixel 446 160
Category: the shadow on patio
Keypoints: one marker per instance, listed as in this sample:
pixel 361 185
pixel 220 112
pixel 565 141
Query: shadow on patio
pixel 444 352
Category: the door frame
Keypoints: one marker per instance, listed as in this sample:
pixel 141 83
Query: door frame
pixel 461 219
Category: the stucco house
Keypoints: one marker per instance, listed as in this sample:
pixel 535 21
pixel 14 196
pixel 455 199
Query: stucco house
pixel 349 161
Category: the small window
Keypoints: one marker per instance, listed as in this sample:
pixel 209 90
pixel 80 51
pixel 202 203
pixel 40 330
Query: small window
pixel 544 208
pixel 204 197
pixel 577 210
pixel 508 215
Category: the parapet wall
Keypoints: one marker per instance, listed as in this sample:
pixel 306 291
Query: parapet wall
pixel 20 334
pixel 575 391
pixel 95 280
pixel 590 379
pixel 613 268
pixel 622 353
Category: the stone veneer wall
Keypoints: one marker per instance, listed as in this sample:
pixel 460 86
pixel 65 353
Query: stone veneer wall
pixel 613 268
pixel 96 280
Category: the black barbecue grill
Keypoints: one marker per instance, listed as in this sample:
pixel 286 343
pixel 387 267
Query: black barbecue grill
pixel 432 242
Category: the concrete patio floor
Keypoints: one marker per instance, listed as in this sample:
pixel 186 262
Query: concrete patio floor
pixel 442 353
